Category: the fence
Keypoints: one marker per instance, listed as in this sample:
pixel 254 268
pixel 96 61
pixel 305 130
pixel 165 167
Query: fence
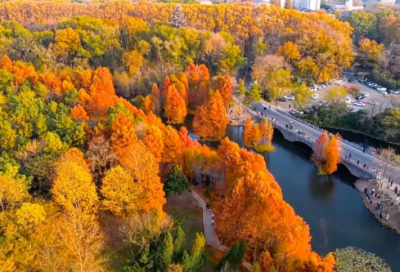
pixel 354 145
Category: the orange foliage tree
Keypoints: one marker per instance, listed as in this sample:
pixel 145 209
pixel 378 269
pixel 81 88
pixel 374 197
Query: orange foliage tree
pixel 224 85
pixel 175 106
pixel 326 153
pixel 253 209
pixel 210 120
pixel 258 137
pixel 140 162
pixel 198 79
pixel 332 154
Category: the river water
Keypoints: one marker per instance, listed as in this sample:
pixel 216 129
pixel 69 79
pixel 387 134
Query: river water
pixel 330 205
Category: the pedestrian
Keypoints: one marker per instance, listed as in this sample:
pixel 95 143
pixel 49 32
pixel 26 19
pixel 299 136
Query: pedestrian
pixel 358 162
pixel 363 149
pixel 212 216
pixel 349 155
pixel 212 222
pixel 391 183
pixel 269 106
pixel 290 105
pixel 395 190
pixel 265 108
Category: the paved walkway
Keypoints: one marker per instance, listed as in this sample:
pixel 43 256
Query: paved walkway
pixel 209 230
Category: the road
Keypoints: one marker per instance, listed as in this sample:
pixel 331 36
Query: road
pixel 356 152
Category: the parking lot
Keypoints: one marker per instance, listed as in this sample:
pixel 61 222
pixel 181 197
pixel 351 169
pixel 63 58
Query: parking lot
pixel 375 102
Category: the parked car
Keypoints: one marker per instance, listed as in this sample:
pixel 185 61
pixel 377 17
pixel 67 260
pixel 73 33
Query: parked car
pixel 365 94
pixel 373 102
pixel 360 96
pixel 282 99
pixel 289 97
pixel 347 100
pixel 359 104
pixel 381 89
pixel 315 96
pixel 396 92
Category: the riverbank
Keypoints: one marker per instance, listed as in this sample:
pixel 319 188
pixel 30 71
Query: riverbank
pixel 387 196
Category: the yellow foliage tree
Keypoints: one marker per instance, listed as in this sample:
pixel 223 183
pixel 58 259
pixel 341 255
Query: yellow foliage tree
pixel 121 194
pixel 73 188
pixel 12 192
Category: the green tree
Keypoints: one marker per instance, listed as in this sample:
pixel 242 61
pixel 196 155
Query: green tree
pixel 177 182
pixel 253 94
pixel 164 252
pixel 241 89
pixel 178 241
pixel 234 257
pixel 196 254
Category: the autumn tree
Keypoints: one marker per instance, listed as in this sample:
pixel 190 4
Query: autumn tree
pixel 139 162
pixel 332 154
pixel 247 134
pixel 12 192
pixel 175 106
pixel 155 93
pixel 210 120
pixel 73 188
pixel 153 140
pixel 120 192
pixel 318 154
pixel 224 85
pixel 370 52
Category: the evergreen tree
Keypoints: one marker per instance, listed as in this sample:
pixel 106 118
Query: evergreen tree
pixel 254 94
pixel 196 254
pixel 163 253
pixel 178 242
pixel 186 262
pixel 177 182
pixel 234 258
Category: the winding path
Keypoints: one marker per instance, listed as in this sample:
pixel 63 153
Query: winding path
pixel 209 229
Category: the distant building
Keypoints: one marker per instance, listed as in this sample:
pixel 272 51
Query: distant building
pixel 307 5
pixel 388 2
pixel 348 6
pixel 261 2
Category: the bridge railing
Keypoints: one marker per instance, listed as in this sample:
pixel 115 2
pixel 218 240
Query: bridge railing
pixel 359 147
pixel 307 138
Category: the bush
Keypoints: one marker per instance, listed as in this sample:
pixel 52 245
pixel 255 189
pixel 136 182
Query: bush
pixel 354 259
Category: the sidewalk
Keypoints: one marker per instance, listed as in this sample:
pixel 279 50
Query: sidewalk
pixel 209 229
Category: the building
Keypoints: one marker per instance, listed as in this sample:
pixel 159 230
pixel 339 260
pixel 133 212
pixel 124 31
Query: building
pixel 307 4
pixel 347 6
pixel 261 2
pixel 388 2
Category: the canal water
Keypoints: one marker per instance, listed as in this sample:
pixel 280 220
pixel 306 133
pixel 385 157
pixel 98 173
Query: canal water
pixel 330 205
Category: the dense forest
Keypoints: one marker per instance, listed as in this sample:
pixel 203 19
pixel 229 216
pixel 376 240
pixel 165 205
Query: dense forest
pixel 86 160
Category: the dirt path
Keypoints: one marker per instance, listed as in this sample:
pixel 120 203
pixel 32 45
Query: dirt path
pixel 209 229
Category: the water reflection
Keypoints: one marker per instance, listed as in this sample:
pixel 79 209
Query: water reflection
pixel 330 205
pixel 321 187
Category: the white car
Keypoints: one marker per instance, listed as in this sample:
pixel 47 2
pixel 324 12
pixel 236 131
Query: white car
pixel 359 104
pixel 381 89
pixel 366 94
pixel 373 102
pixel 289 97
pixel 315 96
pixel 347 100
